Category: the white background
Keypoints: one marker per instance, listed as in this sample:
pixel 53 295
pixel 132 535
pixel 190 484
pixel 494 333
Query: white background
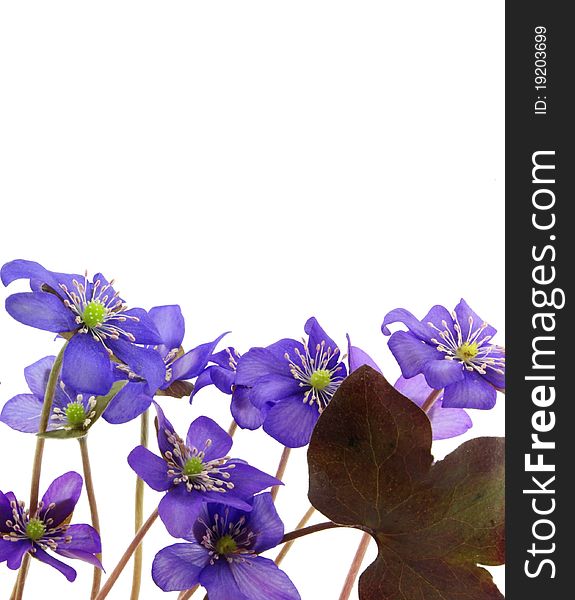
pixel 257 163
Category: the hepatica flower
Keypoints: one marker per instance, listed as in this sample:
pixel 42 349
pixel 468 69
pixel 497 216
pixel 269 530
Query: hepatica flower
pixel 138 394
pixel 445 422
pixel 222 374
pixel 453 352
pixel 223 556
pixel 70 410
pixel 195 471
pixel 92 315
pixel 293 382
pixel 49 530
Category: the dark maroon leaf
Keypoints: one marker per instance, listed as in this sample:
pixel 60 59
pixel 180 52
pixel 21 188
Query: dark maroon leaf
pixel 371 468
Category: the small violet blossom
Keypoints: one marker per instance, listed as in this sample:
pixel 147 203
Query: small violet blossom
pixel 137 395
pixel 452 351
pixel 70 410
pixel 222 555
pixel 222 374
pixel 196 471
pixel 92 316
pixel 48 530
pixel 445 422
pixel 292 382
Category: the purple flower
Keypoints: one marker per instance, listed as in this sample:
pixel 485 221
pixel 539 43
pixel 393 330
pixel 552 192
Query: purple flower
pixel 223 555
pixel 292 383
pixel 454 353
pixel 222 374
pixel 93 316
pixel 196 471
pixel 445 422
pixel 138 394
pixel 49 529
pixel 70 410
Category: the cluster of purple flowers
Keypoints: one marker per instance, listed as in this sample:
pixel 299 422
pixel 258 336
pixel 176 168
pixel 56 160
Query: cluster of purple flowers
pixel 214 502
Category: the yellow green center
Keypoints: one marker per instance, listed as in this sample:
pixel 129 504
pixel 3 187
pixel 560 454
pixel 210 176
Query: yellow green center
pixel 75 414
pixel 320 379
pixel 35 529
pixel 193 466
pixel 226 545
pixel 93 314
pixel 467 351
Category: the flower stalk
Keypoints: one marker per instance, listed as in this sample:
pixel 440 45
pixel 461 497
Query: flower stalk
pixel 355 567
pixel 287 546
pixel 281 470
pixel 83 441
pixel 139 514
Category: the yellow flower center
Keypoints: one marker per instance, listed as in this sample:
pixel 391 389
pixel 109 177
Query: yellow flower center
pixel 467 351
pixel 320 379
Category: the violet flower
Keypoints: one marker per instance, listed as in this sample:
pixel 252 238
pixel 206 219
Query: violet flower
pixel 196 471
pixel 49 529
pixel 137 395
pixel 94 318
pixel 222 374
pixel 292 383
pixel 453 352
pixel 445 422
pixel 222 555
pixel 70 410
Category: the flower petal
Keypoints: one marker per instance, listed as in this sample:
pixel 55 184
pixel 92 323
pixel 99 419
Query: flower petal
pixel 66 570
pixel 224 357
pixel 220 582
pixel 194 362
pixel 400 315
pixel 265 522
pixel 41 310
pixel 203 429
pixel 86 366
pixel 83 545
pixel 28 269
pixel 291 421
pixel 179 510
pixel 63 493
pixel 151 468
pixel 13 552
pixel 203 380
pixel 22 413
pixel 247 481
pixel 170 324
pixel 178 567
pixel 222 378
pixel 164 426
pixel 259 362
pixel 145 362
pixel 358 358
pixel 274 388
pixel 259 578
pixel 144 329
pixel 441 373
pixel 317 336
pixel 246 415
pixel 411 353
pixel 473 391
pixel 470 321
pixel 131 401
pixel 37 375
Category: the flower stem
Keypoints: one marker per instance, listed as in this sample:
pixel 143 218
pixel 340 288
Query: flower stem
pixel 139 514
pixel 232 428
pixel 355 567
pixel 297 533
pixel 281 470
pixel 430 400
pixel 127 555
pixel 93 508
pixel 38 455
pixel 303 522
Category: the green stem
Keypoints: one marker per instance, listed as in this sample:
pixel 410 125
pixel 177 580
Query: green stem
pixel 355 567
pixel 127 555
pixel 97 578
pixel 139 514
pixel 281 470
pixel 38 455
